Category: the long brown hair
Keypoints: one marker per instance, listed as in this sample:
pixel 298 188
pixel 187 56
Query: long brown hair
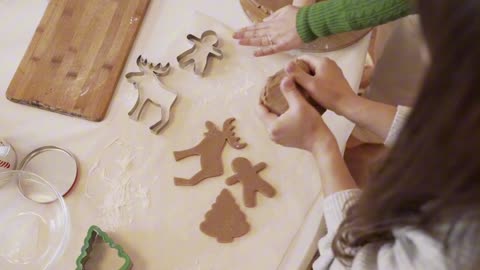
pixel 432 175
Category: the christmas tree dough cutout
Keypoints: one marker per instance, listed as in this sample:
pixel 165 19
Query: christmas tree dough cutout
pixel 210 151
pixel 225 221
pixel 93 233
pixel 247 174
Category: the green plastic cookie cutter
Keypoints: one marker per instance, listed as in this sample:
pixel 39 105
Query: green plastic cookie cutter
pixel 92 234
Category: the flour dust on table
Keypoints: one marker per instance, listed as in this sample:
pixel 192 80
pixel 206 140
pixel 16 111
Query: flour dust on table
pixel 113 187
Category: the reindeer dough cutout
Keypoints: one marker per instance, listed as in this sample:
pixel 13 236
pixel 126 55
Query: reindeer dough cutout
pixel 203 48
pixel 210 151
pixel 151 91
pixel 247 174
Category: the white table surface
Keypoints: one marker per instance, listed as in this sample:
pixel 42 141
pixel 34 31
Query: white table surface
pixel 29 128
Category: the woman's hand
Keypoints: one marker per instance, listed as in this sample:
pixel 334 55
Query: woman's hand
pixel 301 126
pixel 275 34
pixel 327 85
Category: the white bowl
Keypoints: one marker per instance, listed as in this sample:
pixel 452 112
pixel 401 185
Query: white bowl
pixel 32 234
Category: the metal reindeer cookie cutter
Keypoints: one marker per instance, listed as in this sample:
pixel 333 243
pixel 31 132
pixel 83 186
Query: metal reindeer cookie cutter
pixel 203 49
pixel 148 80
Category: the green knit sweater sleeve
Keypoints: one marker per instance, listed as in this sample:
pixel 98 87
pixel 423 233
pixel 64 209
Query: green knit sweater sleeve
pixel 336 16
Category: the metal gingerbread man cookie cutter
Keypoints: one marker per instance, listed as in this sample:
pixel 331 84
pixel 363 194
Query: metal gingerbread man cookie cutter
pixel 148 80
pixel 203 49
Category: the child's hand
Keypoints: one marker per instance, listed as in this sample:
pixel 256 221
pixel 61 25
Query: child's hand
pixel 275 34
pixel 301 126
pixel 327 86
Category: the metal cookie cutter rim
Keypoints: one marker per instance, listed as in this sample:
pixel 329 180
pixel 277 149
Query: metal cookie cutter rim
pixel 191 37
pixel 72 175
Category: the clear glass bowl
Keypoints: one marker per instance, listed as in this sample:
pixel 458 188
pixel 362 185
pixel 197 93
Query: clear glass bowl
pixel 33 234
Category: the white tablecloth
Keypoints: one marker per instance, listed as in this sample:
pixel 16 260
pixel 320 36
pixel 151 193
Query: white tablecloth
pixel 151 225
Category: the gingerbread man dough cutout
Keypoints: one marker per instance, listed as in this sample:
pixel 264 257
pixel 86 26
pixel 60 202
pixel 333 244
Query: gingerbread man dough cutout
pixel 203 48
pixel 247 174
pixel 210 151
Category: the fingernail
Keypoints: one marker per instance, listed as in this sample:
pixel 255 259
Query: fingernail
pixel 290 68
pixel 287 82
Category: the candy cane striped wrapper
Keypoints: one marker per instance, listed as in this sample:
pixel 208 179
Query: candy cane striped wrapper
pixel 8 158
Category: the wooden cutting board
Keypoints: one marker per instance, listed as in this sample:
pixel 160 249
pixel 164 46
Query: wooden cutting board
pixel 76 56
pixel 257 10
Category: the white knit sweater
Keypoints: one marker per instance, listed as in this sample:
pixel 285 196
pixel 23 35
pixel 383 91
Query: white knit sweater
pixel 411 249
pixel 397 125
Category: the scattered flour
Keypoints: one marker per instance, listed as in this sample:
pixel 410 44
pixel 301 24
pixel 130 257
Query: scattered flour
pixel 110 186
pixel 97 162
pixel 119 205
